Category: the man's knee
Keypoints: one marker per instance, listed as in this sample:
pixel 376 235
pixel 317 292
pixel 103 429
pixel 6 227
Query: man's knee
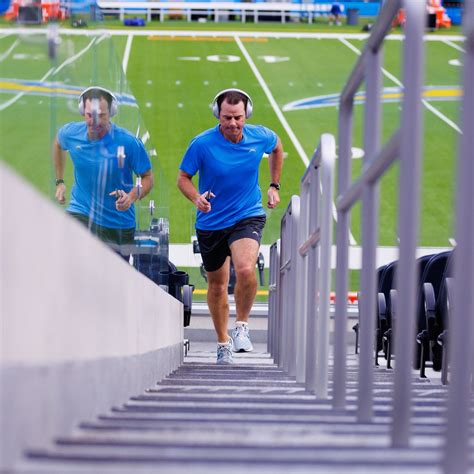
pixel 245 273
pixel 217 289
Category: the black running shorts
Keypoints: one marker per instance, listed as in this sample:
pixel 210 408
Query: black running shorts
pixel 215 244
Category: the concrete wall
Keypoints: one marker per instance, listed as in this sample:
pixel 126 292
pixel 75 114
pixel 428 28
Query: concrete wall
pixel 80 329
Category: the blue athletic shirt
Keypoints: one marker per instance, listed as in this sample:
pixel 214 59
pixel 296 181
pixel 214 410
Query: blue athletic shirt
pixel 97 172
pixel 230 170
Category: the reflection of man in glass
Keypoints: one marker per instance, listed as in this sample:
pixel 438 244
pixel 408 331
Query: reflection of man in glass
pixel 105 157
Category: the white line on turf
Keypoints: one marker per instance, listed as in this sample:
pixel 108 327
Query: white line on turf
pixel 240 34
pixel 53 71
pixel 126 54
pixel 432 109
pixel 21 94
pixel 454 45
pixel 281 117
pixel 70 60
pixel 5 55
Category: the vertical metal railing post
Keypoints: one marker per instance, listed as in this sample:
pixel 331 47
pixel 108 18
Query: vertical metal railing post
pixel 276 349
pixel 410 174
pixel 302 284
pixel 326 178
pixel 370 208
pixel 342 256
pixel 273 298
pixel 283 294
pixel 293 317
pixel 461 325
pixel 288 261
pixel 315 246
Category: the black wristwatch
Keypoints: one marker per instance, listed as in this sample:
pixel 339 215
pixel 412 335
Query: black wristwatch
pixel 59 181
pixel 276 186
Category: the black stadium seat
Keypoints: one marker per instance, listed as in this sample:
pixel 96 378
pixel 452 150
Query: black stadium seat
pixel 433 310
pixel 432 274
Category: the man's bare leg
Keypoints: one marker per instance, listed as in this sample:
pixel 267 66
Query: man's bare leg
pixel 244 257
pixel 217 300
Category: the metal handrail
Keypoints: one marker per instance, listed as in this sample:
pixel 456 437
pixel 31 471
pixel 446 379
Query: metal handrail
pixel 299 333
pixel 405 144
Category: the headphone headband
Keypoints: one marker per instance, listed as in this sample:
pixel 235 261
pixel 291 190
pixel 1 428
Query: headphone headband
pixel 248 108
pixel 113 104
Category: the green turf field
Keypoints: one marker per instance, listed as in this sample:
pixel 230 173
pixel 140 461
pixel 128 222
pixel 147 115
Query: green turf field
pixel 174 79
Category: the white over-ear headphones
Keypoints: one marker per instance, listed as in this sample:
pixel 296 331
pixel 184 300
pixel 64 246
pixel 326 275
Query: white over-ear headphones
pixel 248 109
pixel 113 105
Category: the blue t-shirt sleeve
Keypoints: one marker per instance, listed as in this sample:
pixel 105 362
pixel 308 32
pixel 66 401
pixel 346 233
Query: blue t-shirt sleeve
pixel 141 160
pixel 191 161
pixel 63 135
pixel 272 139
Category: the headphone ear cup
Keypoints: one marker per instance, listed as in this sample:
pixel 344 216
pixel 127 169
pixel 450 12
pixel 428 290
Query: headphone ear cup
pixel 215 109
pixel 80 105
pixel 249 109
pixel 113 108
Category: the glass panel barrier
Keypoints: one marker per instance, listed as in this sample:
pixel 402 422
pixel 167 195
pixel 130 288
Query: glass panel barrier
pixel 99 145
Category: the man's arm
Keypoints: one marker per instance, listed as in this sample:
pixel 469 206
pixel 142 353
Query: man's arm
pixel 275 162
pixel 59 158
pixel 186 186
pixel 125 200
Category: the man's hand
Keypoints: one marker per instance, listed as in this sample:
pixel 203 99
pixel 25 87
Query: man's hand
pixel 61 193
pixel 203 201
pixel 273 197
pixel 124 200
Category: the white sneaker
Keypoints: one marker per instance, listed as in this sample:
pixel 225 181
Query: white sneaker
pixel 241 338
pixel 224 353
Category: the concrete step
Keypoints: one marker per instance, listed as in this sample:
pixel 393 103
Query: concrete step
pixel 248 417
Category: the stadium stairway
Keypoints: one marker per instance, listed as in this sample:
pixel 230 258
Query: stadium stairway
pixel 248 417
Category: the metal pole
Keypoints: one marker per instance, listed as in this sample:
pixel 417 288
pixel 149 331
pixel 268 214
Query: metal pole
pixel 410 174
pixel 301 285
pixel 342 258
pixel 326 173
pixel 370 206
pixel 461 329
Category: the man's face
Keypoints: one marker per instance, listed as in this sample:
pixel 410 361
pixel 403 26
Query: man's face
pixel 232 120
pixel 97 117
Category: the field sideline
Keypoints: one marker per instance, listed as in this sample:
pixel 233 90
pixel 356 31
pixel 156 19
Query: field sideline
pixel 279 69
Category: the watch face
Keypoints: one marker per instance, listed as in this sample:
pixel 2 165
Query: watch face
pixel 275 185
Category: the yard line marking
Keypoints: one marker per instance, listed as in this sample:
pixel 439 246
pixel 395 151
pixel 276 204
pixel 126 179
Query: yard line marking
pixel 126 54
pixel 454 45
pixel 80 53
pixel 432 109
pixel 240 34
pixel 52 71
pixel 21 94
pixel 282 118
pixel 4 55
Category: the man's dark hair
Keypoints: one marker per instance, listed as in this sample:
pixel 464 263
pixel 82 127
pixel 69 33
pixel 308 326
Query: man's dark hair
pixel 232 98
pixel 98 94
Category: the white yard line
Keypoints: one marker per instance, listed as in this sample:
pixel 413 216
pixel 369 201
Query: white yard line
pixel 454 45
pixel 5 55
pixel 80 53
pixel 21 94
pixel 126 54
pixel 52 71
pixel 394 79
pixel 240 34
pixel 281 117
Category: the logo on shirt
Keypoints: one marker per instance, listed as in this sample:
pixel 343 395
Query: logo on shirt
pixel 252 150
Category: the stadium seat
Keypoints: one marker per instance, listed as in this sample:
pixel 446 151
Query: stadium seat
pixel 392 310
pixel 435 304
pixel 432 275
